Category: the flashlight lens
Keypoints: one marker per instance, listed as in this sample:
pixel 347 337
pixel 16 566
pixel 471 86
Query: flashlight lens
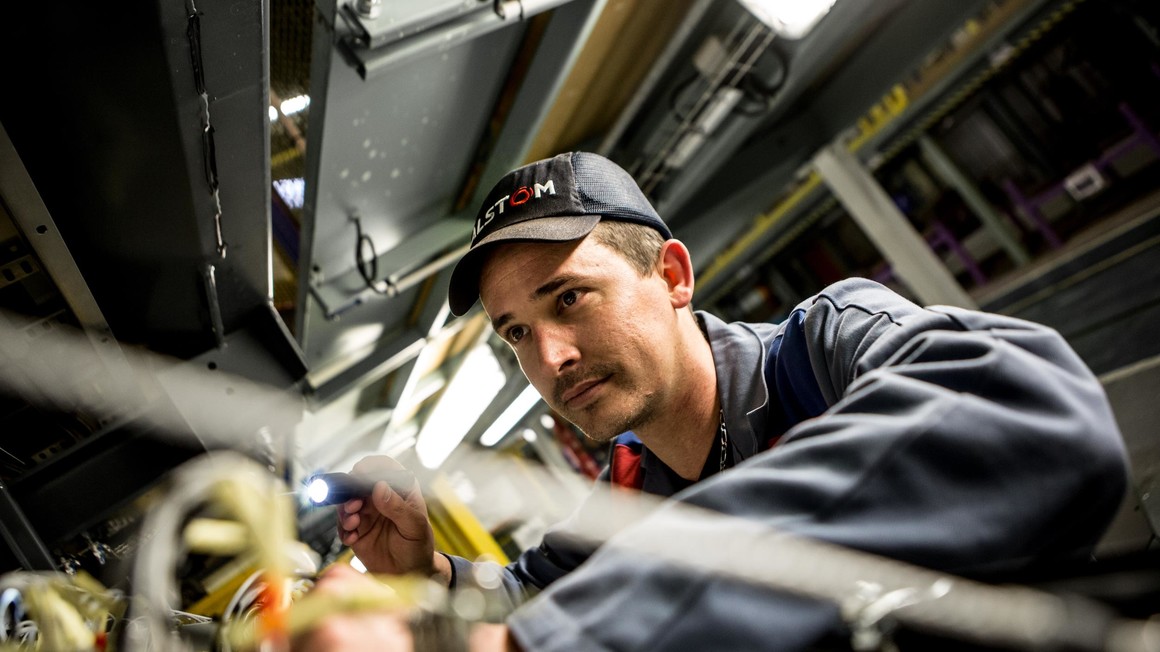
pixel 318 490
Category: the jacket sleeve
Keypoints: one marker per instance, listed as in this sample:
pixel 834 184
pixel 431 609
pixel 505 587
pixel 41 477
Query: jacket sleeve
pixel 507 587
pixel 963 441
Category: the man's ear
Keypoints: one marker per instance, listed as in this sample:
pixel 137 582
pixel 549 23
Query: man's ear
pixel 676 268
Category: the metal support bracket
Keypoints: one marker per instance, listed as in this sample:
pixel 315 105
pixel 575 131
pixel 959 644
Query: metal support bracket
pixel 411 29
pixel 422 255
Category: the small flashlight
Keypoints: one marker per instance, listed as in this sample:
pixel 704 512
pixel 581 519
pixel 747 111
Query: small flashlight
pixel 337 488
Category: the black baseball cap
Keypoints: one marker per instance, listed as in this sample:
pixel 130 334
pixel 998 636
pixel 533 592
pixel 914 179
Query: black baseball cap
pixel 553 200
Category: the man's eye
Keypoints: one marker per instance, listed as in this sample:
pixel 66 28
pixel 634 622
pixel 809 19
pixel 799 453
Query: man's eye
pixel 569 298
pixel 515 334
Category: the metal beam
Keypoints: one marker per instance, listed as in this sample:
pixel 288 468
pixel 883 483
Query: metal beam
pixel 656 72
pixel 1132 393
pixel 559 48
pixel 29 212
pixel 402 348
pixel 889 230
pixel 32 216
pixel 945 168
pixel 26 547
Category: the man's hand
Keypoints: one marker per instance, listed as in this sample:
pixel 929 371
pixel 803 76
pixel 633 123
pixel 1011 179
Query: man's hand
pixel 378 630
pixel 485 637
pixel 369 631
pixel 389 532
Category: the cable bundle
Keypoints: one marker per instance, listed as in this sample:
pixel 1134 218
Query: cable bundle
pixel 56 611
pixel 259 518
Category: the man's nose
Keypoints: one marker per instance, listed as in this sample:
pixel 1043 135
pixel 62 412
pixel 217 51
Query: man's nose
pixel 557 349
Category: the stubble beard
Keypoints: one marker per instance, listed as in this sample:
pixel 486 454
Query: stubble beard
pixel 641 409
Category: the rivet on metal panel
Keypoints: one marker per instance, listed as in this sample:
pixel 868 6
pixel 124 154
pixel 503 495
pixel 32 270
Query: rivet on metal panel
pixel 509 9
pixel 369 8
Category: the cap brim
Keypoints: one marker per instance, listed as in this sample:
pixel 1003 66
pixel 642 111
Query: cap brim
pixel 464 288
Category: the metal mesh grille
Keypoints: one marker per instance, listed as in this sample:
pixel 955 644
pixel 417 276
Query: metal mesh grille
pixel 291 34
pixel 291 29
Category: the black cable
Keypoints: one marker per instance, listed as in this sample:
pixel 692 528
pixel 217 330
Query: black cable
pixel 368 269
pixel 193 33
pixel 761 93
pixel 210 159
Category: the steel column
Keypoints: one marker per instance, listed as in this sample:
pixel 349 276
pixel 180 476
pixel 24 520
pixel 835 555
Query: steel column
pixel 945 168
pixel 902 246
pixel 27 548
pixel 32 216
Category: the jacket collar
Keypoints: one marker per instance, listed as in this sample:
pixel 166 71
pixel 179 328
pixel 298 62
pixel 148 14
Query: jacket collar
pixel 739 358
pixel 739 351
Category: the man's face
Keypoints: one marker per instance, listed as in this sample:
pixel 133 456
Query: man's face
pixel 593 337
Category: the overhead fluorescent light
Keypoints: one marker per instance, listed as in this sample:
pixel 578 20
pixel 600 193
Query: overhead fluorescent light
pixel 473 387
pixel 510 417
pixel 292 191
pixel 273 114
pixel 792 19
pixel 294 104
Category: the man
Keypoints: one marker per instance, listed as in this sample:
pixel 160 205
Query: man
pixel 958 440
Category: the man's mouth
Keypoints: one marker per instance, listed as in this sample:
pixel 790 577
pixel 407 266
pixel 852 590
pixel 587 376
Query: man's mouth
pixel 581 391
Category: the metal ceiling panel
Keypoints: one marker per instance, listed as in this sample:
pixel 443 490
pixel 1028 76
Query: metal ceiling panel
pixel 391 155
pixel 395 152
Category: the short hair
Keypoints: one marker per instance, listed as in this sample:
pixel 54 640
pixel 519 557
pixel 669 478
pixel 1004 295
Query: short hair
pixel 640 245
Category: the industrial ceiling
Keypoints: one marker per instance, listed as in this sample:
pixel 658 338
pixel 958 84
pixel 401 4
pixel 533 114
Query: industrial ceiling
pixel 278 190
pixel 712 109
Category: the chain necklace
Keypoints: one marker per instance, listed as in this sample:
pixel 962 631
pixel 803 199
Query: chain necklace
pixel 724 440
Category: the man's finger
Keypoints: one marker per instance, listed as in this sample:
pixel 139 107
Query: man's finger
pixel 349 537
pixel 408 517
pixel 350 521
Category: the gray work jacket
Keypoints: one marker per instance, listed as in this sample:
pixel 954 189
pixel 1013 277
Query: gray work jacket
pixel 963 441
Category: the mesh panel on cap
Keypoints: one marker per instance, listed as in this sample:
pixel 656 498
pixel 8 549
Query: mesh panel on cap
pixel 607 189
